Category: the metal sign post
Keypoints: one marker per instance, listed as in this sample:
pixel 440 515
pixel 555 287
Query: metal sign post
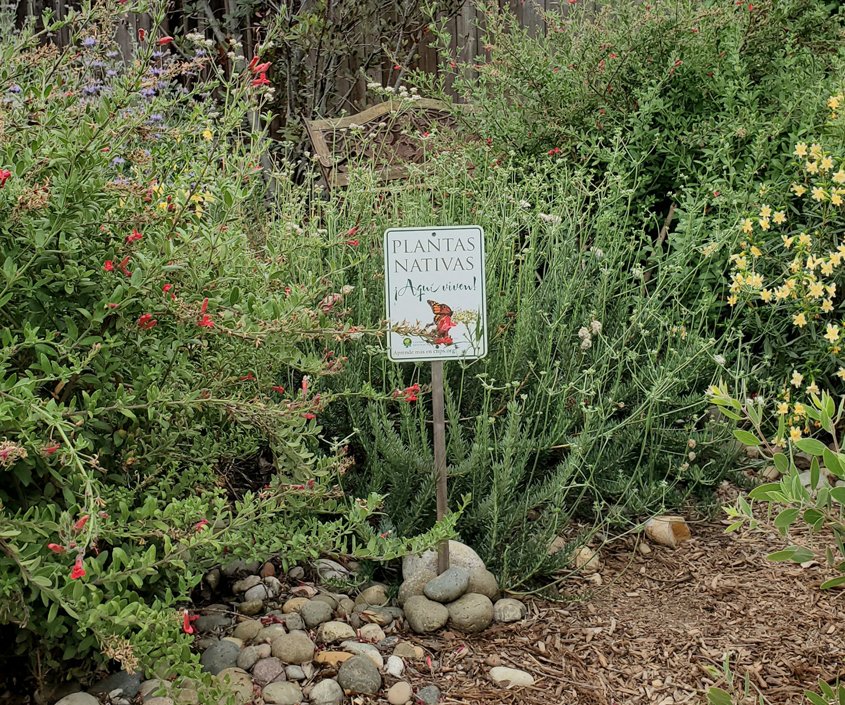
pixel 436 311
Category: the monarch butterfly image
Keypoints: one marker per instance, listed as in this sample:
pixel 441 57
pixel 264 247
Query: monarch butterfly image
pixel 440 311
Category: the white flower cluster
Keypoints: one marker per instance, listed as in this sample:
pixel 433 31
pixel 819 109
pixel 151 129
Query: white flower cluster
pixel 400 92
pixel 586 334
pixel 551 219
pixel 201 39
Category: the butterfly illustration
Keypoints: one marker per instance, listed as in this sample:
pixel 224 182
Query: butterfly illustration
pixel 440 311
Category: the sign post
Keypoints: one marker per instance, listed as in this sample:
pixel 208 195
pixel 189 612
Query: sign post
pixel 436 311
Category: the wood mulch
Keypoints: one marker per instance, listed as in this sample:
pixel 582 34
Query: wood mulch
pixel 659 630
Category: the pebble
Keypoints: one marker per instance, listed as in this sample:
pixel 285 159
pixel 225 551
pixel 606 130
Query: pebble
pixel 267 570
pixel 252 654
pixel 326 692
pixel 503 675
pixel 127 684
pixel 330 570
pixel 296 573
pixel 460 556
pixel 399 693
pixel 314 613
pixel 377 615
pixel 295 647
pixel 483 582
pixel 243 585
pixel 368 650
pixel 238 683
pixel 332 658
pixel 395 666
pixel 219 656
pixel 372 632
pixel 293 621
pixel 294 604
pixel 256 592
pixel 212 578
pixel 234 640
pixel 285 693
pixel 158 701
pixel 345 606
pixel 430 695
pixel 268 670
pixel 448 586
pixel 508 610
pixel 415 585
pixel 294 673
pixel 187 696
pixel 248 630
pixel 78 699
pixel 644 548
pixel 405 650
pixel 424 615
pixel 232 568
pixel 333 632
pixel 251 607
pixel 270 632
pixel 587 560
pixel 328 599
pixel 359 675
pixel 374 595
pixel 153 686
pixel 471 613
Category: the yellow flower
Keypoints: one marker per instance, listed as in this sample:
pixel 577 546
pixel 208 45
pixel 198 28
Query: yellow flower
pixel 834 101
pixel 798 189
pixel 741 261
pixel 797 378
pixel 801 149
pixel 782 293
pixel 831 289
pixel 787 241
pixel 207 197
pixel 799 319
pixel 207 135
pixel 816 290
pixel 794 433
pixel 732 300
pixel 783 408
pixel 196 198
pixel 765 211
pixel 836 199
pixel 198 210
pixel 158 189
pixel 815 150
pixel 841 373
pixel 819 194
pixel 799 408
pixel 747 226
pixel 835 258
pixel 839 177
pixel 812 388
pixel 826 164
pixel 766 295
pixel 755 251
pixel 755 281
pixel 162 205
pixel 827 305
pixel 812 262
pixel 812 167
pixel 779 218
pixel 832 333
pixel 827 268
pixel 764 223
pixel 804 239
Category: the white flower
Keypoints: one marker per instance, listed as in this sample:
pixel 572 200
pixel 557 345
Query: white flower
pixel 546 218
pixel 586 344
pixel 595 326
pixel 719 359
pixel 346 289
pixel 583 333
pixel 598 252
pixel 637 272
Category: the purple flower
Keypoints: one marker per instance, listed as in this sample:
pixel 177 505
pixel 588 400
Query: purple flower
pixel 156 117
pixel 96 64
pixel 200 53
pixel 14 88
pixel 148 92
pixel 89 42
pixel 157 54
pixel 118 161
pixel 155 71
pixel 111 73
pixel 91 89
pixel 120 180
pixel 112 54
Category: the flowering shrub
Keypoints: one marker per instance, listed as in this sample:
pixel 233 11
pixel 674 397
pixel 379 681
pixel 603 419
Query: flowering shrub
pixel 787 274
pixel 154 334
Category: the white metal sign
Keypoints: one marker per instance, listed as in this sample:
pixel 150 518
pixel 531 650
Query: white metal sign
pixel 435 293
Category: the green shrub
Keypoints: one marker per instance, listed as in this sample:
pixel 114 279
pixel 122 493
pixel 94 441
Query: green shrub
pixel 154 348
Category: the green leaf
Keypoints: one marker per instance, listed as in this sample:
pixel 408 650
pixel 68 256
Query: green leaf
pixel 765 491
pixel 786 518
pixel 717 696
pixel 781 463
pixel 815 698
pixel 831 462
pixel 833 582
pixel 838 493
pixel 811 446
pixel 746 437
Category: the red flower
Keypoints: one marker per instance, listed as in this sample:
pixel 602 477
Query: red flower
pixel 305 386
pixel 308 415
pixel 80 524
pixel 108 265
pixel 253 62
pixel 4 177
pixel 167 288
pixel 201 524
pixel 397 67
pixel 78 571
pixel 55 548
pixel 124 266
pixel 444 340
pixel 553 151
pixel 262 68
pixel 352 231
pixel 142 35
pixel 51 449
pixel 204 306
pixel 134 237
pixel 260 81
pixel 248 377
pixel 444 325
pixel 112 305
pixel 146 321
pixel 278 388
pixel 164 41
pixel 206 321
pixel 353 243
pixel 186 622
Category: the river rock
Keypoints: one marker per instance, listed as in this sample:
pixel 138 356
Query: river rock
pixel 508 610
pixel 269 633
pixel 399 693
pixel 251 607
pixel 329 570
pixel 460 556
pixel 359 675
pixel 273 585
pixel 328 599
pixel 248 629
pixel 128 684
pixel 405 650
pixel 293 621
pixel 471 613
pixel 268 670
pixel 294 604
pixel 248 582
pixel 503 675
pixel 333 632
pixel 314 613
pixel 430 695
pixel 294 673
pixel 212 578
pixel 425 616
pixel 250 655
pixel 586 560
pixel 158 700
pixel 373 633
pixel 395 666
pixel 326 692
pixel 154 686
pixel 448 586
pixel 332 658
pixel 295 647
pixel 375 595
pixel 284 693
pixel 219 656
pixel 78 699
pixel 415 585
pixel 256 592
pixel 483 582
pixel 237 682
pixel 345 607
pixel 368 650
